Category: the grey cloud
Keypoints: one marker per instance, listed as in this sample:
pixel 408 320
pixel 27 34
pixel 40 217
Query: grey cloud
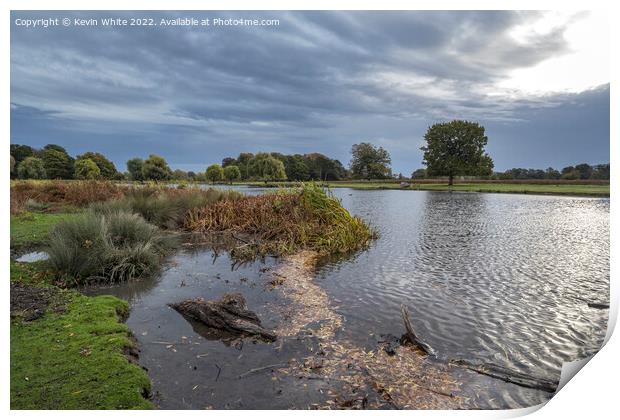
pixel 316 82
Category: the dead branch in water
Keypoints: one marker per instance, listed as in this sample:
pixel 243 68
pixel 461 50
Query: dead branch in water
pixel 228 314
pixel 260 369
pixel 411 335
pixel 507 375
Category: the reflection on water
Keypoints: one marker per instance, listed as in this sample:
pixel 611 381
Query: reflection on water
pixel 503 279
pixel 33 257
pixel 187 368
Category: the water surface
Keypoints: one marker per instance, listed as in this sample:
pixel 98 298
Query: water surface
pixel 493 278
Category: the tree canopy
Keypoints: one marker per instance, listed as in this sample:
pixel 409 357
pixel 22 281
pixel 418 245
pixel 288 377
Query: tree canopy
pixel 106 167
pixel 86 169
pixel 21 152
pixel 31 168
pixel 265 167
pixel 232 173
pixel 456 148
pixel 135 167
pixel 215 173
pixel 57 162
pixel 370 162
pixel 156 168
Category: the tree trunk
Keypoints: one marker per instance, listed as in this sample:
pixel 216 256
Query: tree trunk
pixel 450 180
pixel 229 314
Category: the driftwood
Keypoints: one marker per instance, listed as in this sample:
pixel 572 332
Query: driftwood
pixel 229 314
pixel 411 336
pixel 598 305
pixel 507 375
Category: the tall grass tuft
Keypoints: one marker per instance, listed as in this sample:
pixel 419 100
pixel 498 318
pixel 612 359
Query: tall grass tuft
pixel 164 207
pixel 106 248
pixel 286 221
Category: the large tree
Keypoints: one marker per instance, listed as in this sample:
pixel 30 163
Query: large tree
pixel 456 148
pixel 214 173
pixel 232 173
pixel 107 168
pixel 21 152
pixel 57 162
pixel 134 167
pixel 243 162
pixel 322 168
pixel 31 168
pixel 156 168
pixel 370 162
pixel 86 169
pixel 265 167
pixel 296 168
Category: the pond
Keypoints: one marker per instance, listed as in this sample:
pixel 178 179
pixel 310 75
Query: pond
pixel 493 278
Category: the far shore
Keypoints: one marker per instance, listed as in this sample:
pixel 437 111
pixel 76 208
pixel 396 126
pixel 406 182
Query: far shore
pixel 584 188
pixel 560 188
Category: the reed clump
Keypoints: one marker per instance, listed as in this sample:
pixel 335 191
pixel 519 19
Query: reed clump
pixel 285 221
pixel 115 247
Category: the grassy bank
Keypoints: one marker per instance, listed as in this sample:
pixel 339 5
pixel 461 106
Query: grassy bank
pixel 596 190
pixel 72 357
pixel 30 229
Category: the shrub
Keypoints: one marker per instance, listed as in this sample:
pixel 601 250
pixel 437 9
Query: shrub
pixel 118 246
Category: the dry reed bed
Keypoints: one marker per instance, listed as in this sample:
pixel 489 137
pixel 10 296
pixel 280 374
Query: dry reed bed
pixel 62 193
pixel 286 221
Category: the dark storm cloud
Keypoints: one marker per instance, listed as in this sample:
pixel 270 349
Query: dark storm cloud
pixel 320 81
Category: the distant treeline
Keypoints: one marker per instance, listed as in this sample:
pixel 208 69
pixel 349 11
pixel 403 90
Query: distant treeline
pixel 582 171
pixel 53 162
pixel 367 162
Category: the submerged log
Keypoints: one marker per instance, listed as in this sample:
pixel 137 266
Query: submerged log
pixel 411 336
pixel 596 305
pixel 507 375
pixel 230 314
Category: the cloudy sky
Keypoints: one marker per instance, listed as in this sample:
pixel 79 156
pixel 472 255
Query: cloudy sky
pixel 317 82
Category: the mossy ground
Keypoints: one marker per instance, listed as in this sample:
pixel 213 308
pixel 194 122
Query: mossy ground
pixel 73 356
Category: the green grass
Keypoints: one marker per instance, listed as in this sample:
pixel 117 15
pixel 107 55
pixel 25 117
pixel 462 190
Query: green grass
pixel 596 190
pixel 112 247
pixel 73 358
pixel 31 229
pixel 33 274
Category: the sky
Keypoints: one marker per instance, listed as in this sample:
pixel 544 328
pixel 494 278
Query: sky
pixel 313 82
